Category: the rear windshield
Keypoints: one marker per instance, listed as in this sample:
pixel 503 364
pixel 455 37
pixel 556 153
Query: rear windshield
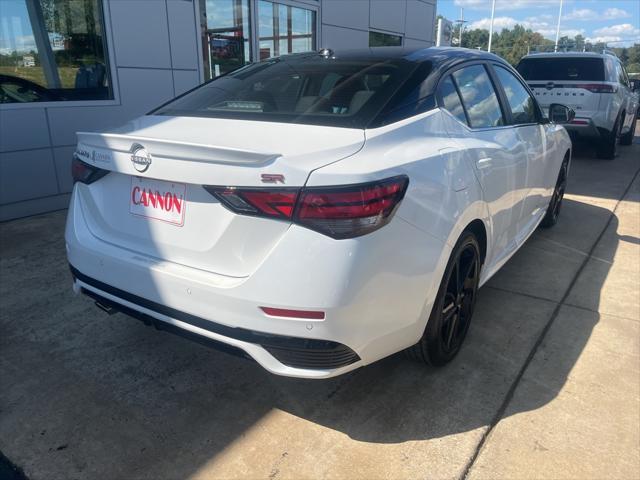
pixel 562 68
pixel 307 89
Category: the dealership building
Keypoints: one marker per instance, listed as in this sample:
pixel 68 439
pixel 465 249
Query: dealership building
pixel 83 65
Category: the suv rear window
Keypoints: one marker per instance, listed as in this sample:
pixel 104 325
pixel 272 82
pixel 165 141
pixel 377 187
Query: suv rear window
pixel 307 89
pixel 562 68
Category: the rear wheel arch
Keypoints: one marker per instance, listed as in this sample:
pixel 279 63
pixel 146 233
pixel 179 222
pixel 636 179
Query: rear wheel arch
pixel 479 230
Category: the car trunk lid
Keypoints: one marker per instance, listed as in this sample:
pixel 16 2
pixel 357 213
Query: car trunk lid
pixel 153 202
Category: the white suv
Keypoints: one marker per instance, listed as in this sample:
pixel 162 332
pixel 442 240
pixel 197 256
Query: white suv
pixel 595 85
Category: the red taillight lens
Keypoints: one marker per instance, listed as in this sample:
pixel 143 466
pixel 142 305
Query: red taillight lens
pixel 599 87
pixel 84 173
pixel 339 212
pixel 259 202
pixel 352 210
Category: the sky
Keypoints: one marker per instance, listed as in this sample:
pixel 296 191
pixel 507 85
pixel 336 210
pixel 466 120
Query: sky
pixel 615 22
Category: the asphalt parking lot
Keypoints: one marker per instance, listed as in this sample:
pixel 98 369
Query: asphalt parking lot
pixel 547 385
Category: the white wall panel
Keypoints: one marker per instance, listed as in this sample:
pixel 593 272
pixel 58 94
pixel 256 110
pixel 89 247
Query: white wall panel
pixel 414 43
pixel 388 15
pixel 31 207
pixel 344 38
pixel 27 174
pixel 65 122
pixel 182 34
pixel 22 129
pixel 62 160
pixel 140 33
pixel 346 13
pixel 142 90
pixel 420 20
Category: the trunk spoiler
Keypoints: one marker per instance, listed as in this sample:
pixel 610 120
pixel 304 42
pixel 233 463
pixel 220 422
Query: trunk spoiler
pixel 174 149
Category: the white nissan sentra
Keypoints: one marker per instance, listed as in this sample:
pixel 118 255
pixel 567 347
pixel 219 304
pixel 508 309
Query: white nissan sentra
pixel 320 211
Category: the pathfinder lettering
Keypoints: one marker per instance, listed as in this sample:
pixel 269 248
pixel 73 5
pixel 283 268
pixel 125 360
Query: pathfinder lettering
pixel 168 202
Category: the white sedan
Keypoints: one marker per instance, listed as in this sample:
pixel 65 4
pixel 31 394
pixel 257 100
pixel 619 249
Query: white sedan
pixel 320 211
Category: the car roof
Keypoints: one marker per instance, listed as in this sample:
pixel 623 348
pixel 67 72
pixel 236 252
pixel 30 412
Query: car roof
pixel 438 56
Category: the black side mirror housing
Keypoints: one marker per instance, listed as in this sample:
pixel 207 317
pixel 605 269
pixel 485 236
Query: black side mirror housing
pixel 561 114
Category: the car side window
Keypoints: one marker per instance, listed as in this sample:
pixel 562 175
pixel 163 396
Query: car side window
pixel 622 76
pixel 478 97
pixel 612 74
pixel 451 99
pixel 521 104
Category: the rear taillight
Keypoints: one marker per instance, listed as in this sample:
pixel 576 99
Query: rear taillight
pixel 599 87
pixel 84 173
pixel 352 210
pixel 265 202
pixel 339 212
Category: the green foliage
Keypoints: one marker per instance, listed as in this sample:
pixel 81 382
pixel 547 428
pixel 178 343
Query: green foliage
pixel 513 44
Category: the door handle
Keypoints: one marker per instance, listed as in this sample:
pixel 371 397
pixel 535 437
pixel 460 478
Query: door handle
pixel 484 162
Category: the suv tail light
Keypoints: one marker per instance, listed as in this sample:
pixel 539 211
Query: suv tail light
pixel 599 87
pixel 337 211
pixel 84 173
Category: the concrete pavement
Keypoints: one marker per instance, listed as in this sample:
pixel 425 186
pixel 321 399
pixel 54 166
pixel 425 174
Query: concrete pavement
pixel 547 386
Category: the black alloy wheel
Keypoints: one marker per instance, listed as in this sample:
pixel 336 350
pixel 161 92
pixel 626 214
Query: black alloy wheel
pixel 607 147
pixel 459 300
pixel 627 138
pixel 553 211
pixel 453 309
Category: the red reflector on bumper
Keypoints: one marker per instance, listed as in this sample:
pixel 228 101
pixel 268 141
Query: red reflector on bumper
pixel 580 122
pixel 283 312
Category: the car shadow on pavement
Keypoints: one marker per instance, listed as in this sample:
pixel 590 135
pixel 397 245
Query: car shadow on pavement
pixel 90 395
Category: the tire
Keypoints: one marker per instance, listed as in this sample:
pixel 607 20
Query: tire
pixel 453 308
pixel 627 138
pixel 553 210
pixel 608 145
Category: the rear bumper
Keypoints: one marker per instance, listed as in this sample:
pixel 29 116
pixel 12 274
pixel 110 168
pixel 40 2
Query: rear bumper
pixel 294 352
pixel 376 292
pixel 585 129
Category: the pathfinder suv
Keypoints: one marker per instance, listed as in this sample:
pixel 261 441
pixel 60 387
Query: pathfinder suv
pixel 595 85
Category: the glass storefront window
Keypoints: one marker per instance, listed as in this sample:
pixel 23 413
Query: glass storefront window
pixel 285 29
pixel 379 39
pixel 227 39
pixel 52 50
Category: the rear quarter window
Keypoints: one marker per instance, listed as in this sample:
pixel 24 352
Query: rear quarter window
pixel 562 68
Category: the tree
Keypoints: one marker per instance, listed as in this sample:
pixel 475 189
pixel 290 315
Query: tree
pixel 513 44
pixel 477 38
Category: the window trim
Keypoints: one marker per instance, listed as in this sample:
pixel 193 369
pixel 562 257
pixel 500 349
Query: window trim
pixel 110 64
pixel 459 66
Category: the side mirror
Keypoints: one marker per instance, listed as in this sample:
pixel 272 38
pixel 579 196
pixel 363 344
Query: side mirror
pixel 561 113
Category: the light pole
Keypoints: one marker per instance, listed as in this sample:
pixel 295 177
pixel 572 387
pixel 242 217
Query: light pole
pixel 493 11
pixel 558 29
pixel 461 22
